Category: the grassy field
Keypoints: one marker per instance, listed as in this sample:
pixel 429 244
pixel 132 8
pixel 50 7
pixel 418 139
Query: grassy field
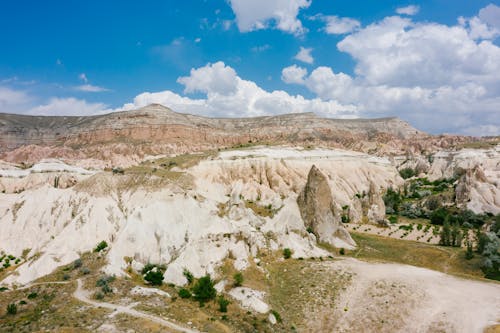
pixel 444 259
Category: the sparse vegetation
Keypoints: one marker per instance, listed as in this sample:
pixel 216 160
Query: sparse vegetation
pixel 204 290
pixel 188 275
pixel 101 246
pixel 184 293
pixel 287 253
pixel 407 173
pixel 223 303
pixel 238 279
pixel 153 274
pixel 12 309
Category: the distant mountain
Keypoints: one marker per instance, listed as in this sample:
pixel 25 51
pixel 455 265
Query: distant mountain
pixel 158 124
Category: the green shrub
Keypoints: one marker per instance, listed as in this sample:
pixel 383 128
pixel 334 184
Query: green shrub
pixel 342 251
pixel 276 315
pixel 98 295
pixel 287 253
pixel 184 293
pixel 223 303
pixel 204 290
pixel 439 216
pixel 310 230
pixel 101 246
pixel 188 275
pixel 393 219
pixel 469 254
pixel 12 308
pixel 238 279
pixel 77 263
pixel 32 295
pixel 154 277
pixel 392 201
pixel 407 173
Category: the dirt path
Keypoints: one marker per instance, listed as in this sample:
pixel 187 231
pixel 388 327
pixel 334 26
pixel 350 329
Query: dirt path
pixel 82 295
pixel 401 298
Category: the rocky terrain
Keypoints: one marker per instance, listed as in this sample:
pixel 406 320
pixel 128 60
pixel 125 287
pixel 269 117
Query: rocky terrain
pixel 151 190
pixel 125 138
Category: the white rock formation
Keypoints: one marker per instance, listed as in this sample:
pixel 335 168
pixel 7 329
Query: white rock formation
pixel 182 226
pixel 250 299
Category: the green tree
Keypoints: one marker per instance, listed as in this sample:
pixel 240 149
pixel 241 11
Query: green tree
pixel 154 276
pixel 445 235
pixel 469 254
pixel 287 253
pixel 455 235
pixel 204 290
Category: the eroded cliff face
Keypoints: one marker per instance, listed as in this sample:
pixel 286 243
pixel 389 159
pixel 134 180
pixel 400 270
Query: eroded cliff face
pixel 476 171
pixel 235 204
pixel 320 213
pixel 124 138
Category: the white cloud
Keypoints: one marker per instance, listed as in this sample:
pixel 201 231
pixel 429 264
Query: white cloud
pixel 293 74
pixel 68 107
pixel 17 101
pixel 486 25
pixel 259 14
pixel 90 88
pixel 83 78
pixel 438 77
pixel 12 101
pixel 304 55
pixel 87 87
pixel 243 99
pixel 408 10
pixel 211 79
pixel 490 15
pixel 397 51
pixel 339 25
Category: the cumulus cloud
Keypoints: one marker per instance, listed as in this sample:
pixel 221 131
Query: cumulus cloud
pixel 17 101
pixel 293 74
pixel 486 25
pixel 441 78
pixel 211 79
pixel 397 51
pixel 490 15
pixel 304 55
pixel 243 99
pixel 263 14
pixel 12 101
pixel 408 10
pixel 339 25
pixel 68 107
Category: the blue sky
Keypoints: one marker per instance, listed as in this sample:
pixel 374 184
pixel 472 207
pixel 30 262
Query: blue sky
pixel 433 63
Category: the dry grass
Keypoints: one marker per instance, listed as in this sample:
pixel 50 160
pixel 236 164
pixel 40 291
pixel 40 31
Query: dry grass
pixel 304 292
pixel 444 259
pixel 264 211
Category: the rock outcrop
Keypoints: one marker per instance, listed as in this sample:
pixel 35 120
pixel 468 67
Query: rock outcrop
pixel 319 212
